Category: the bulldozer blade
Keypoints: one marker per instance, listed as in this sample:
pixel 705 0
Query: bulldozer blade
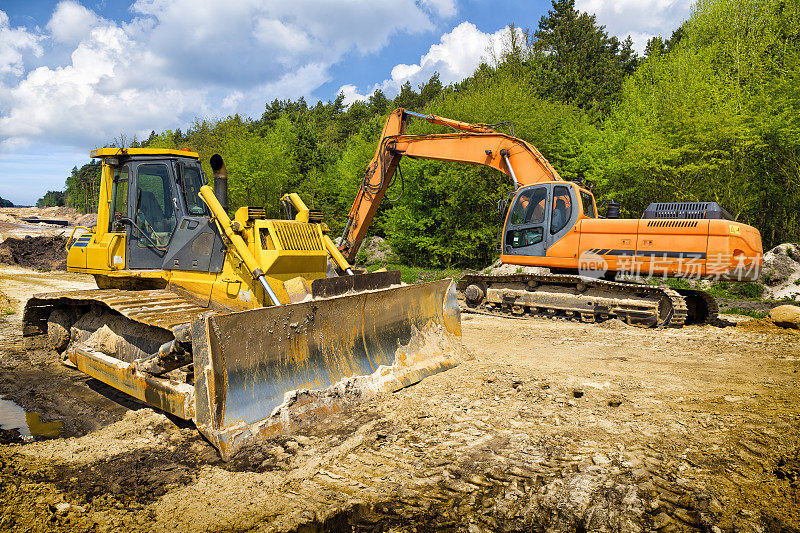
pixel 268 371
pixel 325 287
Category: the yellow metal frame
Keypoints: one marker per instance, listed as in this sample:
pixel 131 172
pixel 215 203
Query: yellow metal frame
pixel 116 152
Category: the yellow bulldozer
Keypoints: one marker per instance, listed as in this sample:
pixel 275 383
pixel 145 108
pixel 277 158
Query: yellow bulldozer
pixel 249 327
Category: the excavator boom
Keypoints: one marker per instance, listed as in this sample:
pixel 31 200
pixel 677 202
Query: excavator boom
pixel 477 144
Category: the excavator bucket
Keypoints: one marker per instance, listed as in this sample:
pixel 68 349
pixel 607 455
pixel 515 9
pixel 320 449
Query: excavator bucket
pixel 265 371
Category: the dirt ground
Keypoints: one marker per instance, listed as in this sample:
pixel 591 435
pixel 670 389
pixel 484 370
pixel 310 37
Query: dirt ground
pixel 549 426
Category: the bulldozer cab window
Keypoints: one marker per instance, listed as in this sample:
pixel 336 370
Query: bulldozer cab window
pixel 155 214
pixel 562 209
pixel 192 181
pixel 119 197
pixel 529 207
pixel 588 204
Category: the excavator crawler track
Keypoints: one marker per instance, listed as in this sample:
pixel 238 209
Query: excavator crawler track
pixel 575 298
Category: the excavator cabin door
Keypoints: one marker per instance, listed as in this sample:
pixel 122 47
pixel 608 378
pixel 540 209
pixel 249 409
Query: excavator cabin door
pixel 539 216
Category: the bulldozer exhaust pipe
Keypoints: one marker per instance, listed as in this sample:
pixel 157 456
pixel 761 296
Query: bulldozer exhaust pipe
pixel 220 180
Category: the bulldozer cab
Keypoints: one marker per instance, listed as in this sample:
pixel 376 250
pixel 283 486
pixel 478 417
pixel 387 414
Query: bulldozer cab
pixel 540 215
pixel 155 204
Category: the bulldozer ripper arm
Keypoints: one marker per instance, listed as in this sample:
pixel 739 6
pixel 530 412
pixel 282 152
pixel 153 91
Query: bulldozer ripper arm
pixel 476 144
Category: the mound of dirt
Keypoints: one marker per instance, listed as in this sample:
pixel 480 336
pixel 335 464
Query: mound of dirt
pixel 498 268
pixel 786 316
pixel 89 220
pixel 35 252
pixel 781 271
pixel 375 250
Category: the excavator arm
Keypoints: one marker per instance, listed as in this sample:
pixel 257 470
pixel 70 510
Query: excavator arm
pixel 477 144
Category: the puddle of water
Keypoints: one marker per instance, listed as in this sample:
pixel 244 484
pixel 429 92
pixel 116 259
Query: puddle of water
pixel 28 424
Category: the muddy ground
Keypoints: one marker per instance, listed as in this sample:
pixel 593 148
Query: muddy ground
pixel 550 425
pixel 41 252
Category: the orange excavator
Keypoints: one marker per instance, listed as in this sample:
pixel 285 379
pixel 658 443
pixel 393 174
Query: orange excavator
pixel 553 223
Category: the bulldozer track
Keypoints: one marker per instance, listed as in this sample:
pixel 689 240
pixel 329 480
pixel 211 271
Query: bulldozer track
pixel 160 308
pixel 672 312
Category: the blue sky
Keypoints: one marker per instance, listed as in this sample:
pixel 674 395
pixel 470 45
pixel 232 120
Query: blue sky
pixel 75 74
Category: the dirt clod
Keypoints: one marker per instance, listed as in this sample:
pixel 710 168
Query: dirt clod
pixel 786 316
pixel 44 252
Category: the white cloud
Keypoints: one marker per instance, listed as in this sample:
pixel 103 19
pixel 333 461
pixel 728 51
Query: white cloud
pixel 445 8
pixel 456 56
pixel 351 94
pixel 641 19
pixel 276 33
pixel 178 59
pixel 13 43
pixel 71 22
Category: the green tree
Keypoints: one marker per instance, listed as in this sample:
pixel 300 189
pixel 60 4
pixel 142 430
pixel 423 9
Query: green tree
pixel 83 187
pixel 576 61
pixel 51 199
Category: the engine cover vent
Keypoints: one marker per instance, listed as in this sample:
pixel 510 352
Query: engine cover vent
pixel 683 210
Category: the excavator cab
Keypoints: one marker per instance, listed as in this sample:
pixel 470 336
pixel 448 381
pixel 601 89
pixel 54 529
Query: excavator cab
pixel 541 215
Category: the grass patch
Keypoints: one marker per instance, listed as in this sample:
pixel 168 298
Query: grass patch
pixel 734 290
pixel 747 312
pixel 672 283
pixel 412 274
pixel 7 304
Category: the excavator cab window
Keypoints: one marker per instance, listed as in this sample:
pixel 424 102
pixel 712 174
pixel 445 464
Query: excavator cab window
pixel 562 209
pixel 529 207
pixel 526 225
pixel 155 214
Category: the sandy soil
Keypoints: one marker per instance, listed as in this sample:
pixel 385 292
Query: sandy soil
pixel 551 425
pixel 14 214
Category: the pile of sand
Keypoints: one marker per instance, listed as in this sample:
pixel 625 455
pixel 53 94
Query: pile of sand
pixel 781 272
pixel 16 214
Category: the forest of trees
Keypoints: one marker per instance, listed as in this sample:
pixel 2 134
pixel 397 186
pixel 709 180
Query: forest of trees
pixel 710 113
pixel 5 203
pixel 51 199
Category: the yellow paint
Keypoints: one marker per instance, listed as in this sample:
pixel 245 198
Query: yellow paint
pixel 117 152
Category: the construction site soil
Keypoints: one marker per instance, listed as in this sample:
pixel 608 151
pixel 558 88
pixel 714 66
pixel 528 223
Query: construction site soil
pixel 44 252
pixel 548 426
